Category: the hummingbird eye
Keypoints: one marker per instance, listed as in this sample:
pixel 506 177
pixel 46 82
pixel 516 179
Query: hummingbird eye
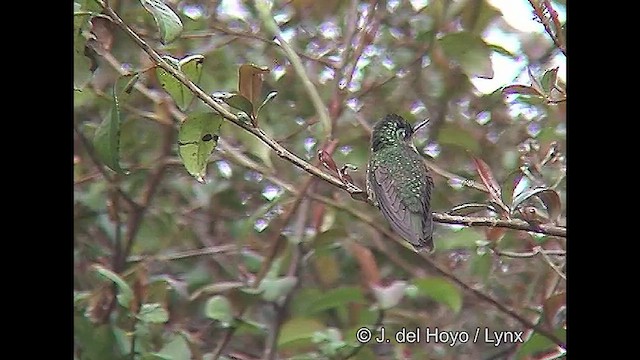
pixel 401 133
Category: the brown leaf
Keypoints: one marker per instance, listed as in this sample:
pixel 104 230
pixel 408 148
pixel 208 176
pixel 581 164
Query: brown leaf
pixel 140 284
pixel 367 262
pixel 552 306
pixel 489 181
pixel 551 200
pixel 327 161
pixel 318 211
pixel 102 30
pixel 250 83
pixel 494 234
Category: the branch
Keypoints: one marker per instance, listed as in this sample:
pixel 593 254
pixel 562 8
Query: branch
pixel 515 224
pixel 558 38
pixel 212 250
pixel 523 255
pixel 242 160
pixel 555 268
pixel 270 351
pixel 276 242
pixel 248 35
pixel 355 191
pixel 321 109
pixel 208 100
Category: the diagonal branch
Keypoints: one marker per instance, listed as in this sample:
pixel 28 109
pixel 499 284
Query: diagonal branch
pixel 242 160
pixel 354 191
pixel 539 10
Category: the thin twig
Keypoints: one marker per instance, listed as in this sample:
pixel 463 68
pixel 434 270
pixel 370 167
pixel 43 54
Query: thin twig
pixel 270 352
pixel 99 166
pixel 365 38
pixel 153 181
pixel 212 250
pixel 538 10
pixel 547 259
pixel 535 252
pixel 206 34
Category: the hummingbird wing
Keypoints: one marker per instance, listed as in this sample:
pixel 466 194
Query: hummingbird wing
pixel 410 219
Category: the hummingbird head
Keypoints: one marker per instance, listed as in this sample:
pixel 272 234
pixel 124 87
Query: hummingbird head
pixel 392 130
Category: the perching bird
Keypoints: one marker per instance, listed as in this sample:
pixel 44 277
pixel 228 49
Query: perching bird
pixel 399 183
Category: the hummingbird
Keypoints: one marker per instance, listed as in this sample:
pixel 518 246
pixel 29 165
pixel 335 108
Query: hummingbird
pixel 399 183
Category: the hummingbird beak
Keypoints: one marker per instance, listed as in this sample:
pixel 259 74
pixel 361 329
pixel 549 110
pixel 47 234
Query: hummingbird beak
pixel 420 124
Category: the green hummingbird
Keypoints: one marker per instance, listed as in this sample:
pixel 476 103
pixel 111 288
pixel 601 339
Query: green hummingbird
pixel 399 183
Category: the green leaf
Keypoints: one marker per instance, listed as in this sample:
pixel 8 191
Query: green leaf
pixel 470 52
pixel 538 344
pixel 81 63
pixel 176 349
pixel 549 80
pixel 236 101
pixel 107 137
pixel 153 313
pixel 97 342
pixel 440 290
pixel 335 298
pixel 156 356
pixel 272 290
pixel 191 67
pixel 391 295
pixel 462 239
pixel 167 21
pixel 254 146
pixel 502 51
pixel 125 294
pixel 509 184
pixel 452 134
pixel 480 265
pixel 298 332
pixel 197 138
pixel 219 308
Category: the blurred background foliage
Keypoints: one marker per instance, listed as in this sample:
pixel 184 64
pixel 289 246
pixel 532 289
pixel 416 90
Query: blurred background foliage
pixel 166 265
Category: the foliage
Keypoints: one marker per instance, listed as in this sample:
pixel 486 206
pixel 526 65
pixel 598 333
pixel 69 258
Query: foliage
pixel 197 239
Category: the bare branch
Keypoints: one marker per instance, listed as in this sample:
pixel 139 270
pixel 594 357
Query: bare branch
pixel 548 260
pixel 535 252
pixel 515 224
pixel 212 250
